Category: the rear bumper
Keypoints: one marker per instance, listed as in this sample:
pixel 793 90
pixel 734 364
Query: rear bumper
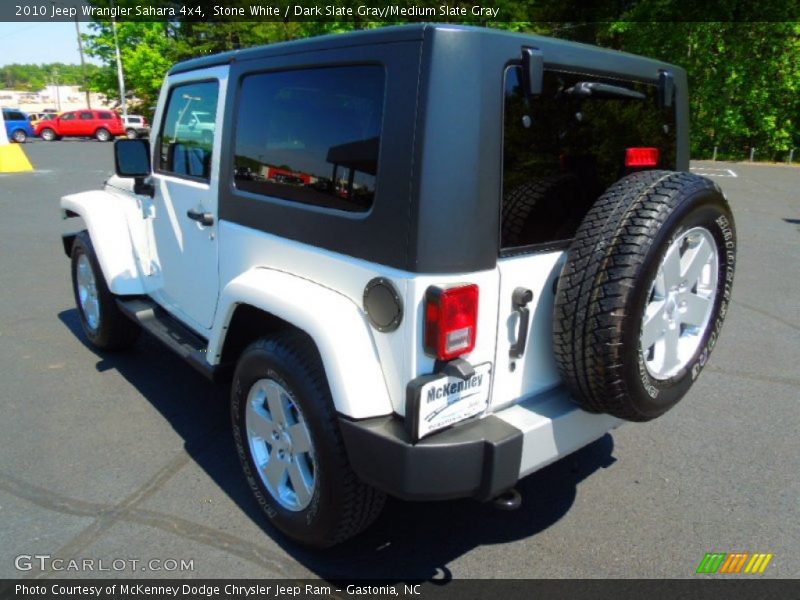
pixel 476 459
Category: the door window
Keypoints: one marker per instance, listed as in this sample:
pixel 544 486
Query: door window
pixel 187 134
pixel 86 116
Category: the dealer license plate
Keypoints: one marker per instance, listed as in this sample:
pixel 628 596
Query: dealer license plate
pixel 447 400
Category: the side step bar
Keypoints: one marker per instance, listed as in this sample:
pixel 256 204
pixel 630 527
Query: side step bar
pixel 172 333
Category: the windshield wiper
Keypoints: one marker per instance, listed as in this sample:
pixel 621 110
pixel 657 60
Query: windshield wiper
pixel 602 90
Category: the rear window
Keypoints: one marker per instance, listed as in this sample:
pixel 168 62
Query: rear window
pixel 105 115
pixel 565 148
pixel 311 136
pixel 134 120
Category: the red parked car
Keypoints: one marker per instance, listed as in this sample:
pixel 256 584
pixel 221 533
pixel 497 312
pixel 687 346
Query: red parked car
pixel 100 124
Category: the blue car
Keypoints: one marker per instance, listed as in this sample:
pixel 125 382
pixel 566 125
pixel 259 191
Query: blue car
pixel 18 128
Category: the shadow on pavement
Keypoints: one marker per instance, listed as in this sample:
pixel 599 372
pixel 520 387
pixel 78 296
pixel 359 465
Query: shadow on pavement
pixel 410 540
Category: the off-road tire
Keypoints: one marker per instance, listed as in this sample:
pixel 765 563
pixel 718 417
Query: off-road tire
pixel 341 505
pixel 608 277
pixel 114 331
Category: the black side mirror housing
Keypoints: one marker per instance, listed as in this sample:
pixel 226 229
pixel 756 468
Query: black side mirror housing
pixel 132 159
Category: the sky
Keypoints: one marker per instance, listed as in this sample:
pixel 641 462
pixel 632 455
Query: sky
pixel 38 43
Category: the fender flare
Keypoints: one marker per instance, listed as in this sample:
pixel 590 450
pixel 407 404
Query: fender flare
pixel 106 216
pixel 335 323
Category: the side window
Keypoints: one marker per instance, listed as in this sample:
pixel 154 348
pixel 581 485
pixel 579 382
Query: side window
pixel 68 116
pixel 187 134
pixel 86 116
pixel 105 115
pixel 14 116
pixel 565 147
pixel 311 135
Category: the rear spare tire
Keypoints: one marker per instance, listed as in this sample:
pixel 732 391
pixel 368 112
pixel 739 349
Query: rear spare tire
pixel 643 294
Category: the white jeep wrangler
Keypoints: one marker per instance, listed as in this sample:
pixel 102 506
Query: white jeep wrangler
pixel 433 259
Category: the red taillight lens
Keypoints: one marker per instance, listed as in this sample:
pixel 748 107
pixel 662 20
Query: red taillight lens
pixel 641 157
pixel 451 321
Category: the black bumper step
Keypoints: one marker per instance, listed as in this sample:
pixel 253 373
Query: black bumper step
pixel 172 333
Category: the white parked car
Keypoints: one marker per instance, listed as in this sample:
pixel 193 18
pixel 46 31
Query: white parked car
pixel 136 126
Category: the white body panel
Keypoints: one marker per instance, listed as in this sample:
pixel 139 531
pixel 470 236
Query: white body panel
pixel 184 252
pixel 114 222
pixel 535 371
pixel 334 322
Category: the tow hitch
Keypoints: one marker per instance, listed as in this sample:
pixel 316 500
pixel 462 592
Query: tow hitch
pixel 508 500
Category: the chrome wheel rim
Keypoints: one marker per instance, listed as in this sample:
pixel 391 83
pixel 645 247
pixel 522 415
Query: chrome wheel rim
pixel 103 135
pixel 680 303
pixel 48 135
pixel 19 136
pixel 280 444
pixel 87 292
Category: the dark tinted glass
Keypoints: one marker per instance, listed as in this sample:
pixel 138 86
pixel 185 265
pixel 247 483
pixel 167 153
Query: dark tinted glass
pixel 86 116
pixel 105 115
pixel 13 115
pixel 69 116
pixel 187 136
pixel 566 149
pixel 311 136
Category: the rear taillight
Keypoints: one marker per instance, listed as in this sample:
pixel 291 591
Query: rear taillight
pixel 641 157
pixel 451 321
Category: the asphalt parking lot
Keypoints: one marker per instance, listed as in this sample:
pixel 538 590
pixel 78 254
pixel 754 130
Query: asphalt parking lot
pixel 128 456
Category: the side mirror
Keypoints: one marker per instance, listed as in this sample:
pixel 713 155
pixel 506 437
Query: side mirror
pixel 132 159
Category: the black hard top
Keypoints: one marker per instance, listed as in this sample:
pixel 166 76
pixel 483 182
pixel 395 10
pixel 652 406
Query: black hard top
pixel 384 35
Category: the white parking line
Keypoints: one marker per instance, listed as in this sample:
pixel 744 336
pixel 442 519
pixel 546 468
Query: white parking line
pixel 709 172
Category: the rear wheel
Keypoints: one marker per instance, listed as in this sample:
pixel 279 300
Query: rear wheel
pixel 19 136
pixel 287 436
pixel 101 319
pixel 644 292
pixel 102 135
pixel 131 134
pixel 48 134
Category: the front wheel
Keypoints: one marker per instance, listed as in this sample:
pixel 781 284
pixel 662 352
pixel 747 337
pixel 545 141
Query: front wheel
pixel 287 437
pixel 643 294
pixel 101 319
pixel 48 135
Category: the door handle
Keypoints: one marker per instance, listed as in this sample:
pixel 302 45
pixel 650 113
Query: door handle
pixel 204 218
pixel 520 299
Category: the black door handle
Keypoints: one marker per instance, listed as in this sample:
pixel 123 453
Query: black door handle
pixel 520 299
pixel 204 218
